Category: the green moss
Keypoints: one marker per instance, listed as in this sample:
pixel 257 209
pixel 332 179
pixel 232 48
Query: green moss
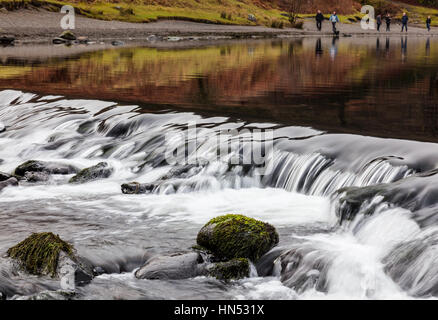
pixel 234 269
pixel 236 236
pixel 39 253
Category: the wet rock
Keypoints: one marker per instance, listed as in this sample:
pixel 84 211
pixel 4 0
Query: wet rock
pixel 36 176
pixel 230 270
pixel 100 171
pixel 236 236
pixel 83 40
pixel 179 172
pixel 152 37
pixel 43 166
pixel 7 40
pixel 137 188
pixel 5 176
pixel 173 267
pixel 47 254
pixel 174 39
pixel 117 43
pixel 2 127
pixel 67 35
pixel 8 183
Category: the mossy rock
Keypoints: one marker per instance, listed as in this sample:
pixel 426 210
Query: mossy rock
pixel 67 35
pixel 39 253
pixel 237 236
pixel 231 270
pixel 100 171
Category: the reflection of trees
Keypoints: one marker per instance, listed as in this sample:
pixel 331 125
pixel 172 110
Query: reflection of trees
pixel 288 81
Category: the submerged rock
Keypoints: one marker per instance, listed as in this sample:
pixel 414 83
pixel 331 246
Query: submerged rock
pixel 137 188
pixel 179 172
pixel 236 236
pixel 47 254
pixel 44 166
pixel 9 182
pixel 230 270
pixel 100 171
pixel 176 266
pixel 36 176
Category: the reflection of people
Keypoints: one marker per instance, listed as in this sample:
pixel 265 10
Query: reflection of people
pixel 319 19
pixel 387 45
pixel 428 47
pixel 428 23
pixel 318 47
pixel 334 19
pixel 379 22
pixel 378 44
pixel 404 46
pixel 388 22
pixel 404 21
pixel 334 48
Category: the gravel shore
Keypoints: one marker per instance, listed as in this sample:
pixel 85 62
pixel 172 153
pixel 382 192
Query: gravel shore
pixel 40 25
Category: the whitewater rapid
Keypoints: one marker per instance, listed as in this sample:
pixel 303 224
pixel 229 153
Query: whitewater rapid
pixel 318 256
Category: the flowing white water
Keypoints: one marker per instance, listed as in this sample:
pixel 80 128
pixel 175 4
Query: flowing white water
pixel 320 260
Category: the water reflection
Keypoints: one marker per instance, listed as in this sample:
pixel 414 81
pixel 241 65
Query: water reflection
pixel 339 85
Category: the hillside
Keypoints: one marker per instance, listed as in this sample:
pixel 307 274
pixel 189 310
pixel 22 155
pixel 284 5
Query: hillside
pixel 267 12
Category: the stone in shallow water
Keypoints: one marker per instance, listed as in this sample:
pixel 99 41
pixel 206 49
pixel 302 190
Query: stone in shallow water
pixel 177 266
pixel 236 236
pixel 2 127
pixel 47 254
pixel 36 176
pixel 45 166
pixel 100 171
pixel 233 269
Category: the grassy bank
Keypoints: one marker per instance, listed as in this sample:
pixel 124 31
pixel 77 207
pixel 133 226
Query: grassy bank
pixel 233 12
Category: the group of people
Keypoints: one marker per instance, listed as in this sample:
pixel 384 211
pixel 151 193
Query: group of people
pixel 335 19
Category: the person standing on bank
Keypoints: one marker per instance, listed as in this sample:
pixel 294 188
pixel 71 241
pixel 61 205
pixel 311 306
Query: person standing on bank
pixel 388 22
pixel 319 19
pixel 379 22
pixel 334 19
pixel 404 22
pixel 428 23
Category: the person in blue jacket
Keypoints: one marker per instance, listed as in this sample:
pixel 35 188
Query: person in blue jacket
pixel 334 19
pixel 404 22
pixel 428 23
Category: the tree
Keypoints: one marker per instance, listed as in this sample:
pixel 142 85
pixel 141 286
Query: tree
pixel 295 7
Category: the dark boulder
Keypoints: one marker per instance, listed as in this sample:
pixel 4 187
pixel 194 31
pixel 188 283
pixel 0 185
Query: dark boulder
pixel 7 40
pixel 236 236
pixel 44 166
pixel 5 176
pixel 100 171
pixel 2 127
pixel 137 188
